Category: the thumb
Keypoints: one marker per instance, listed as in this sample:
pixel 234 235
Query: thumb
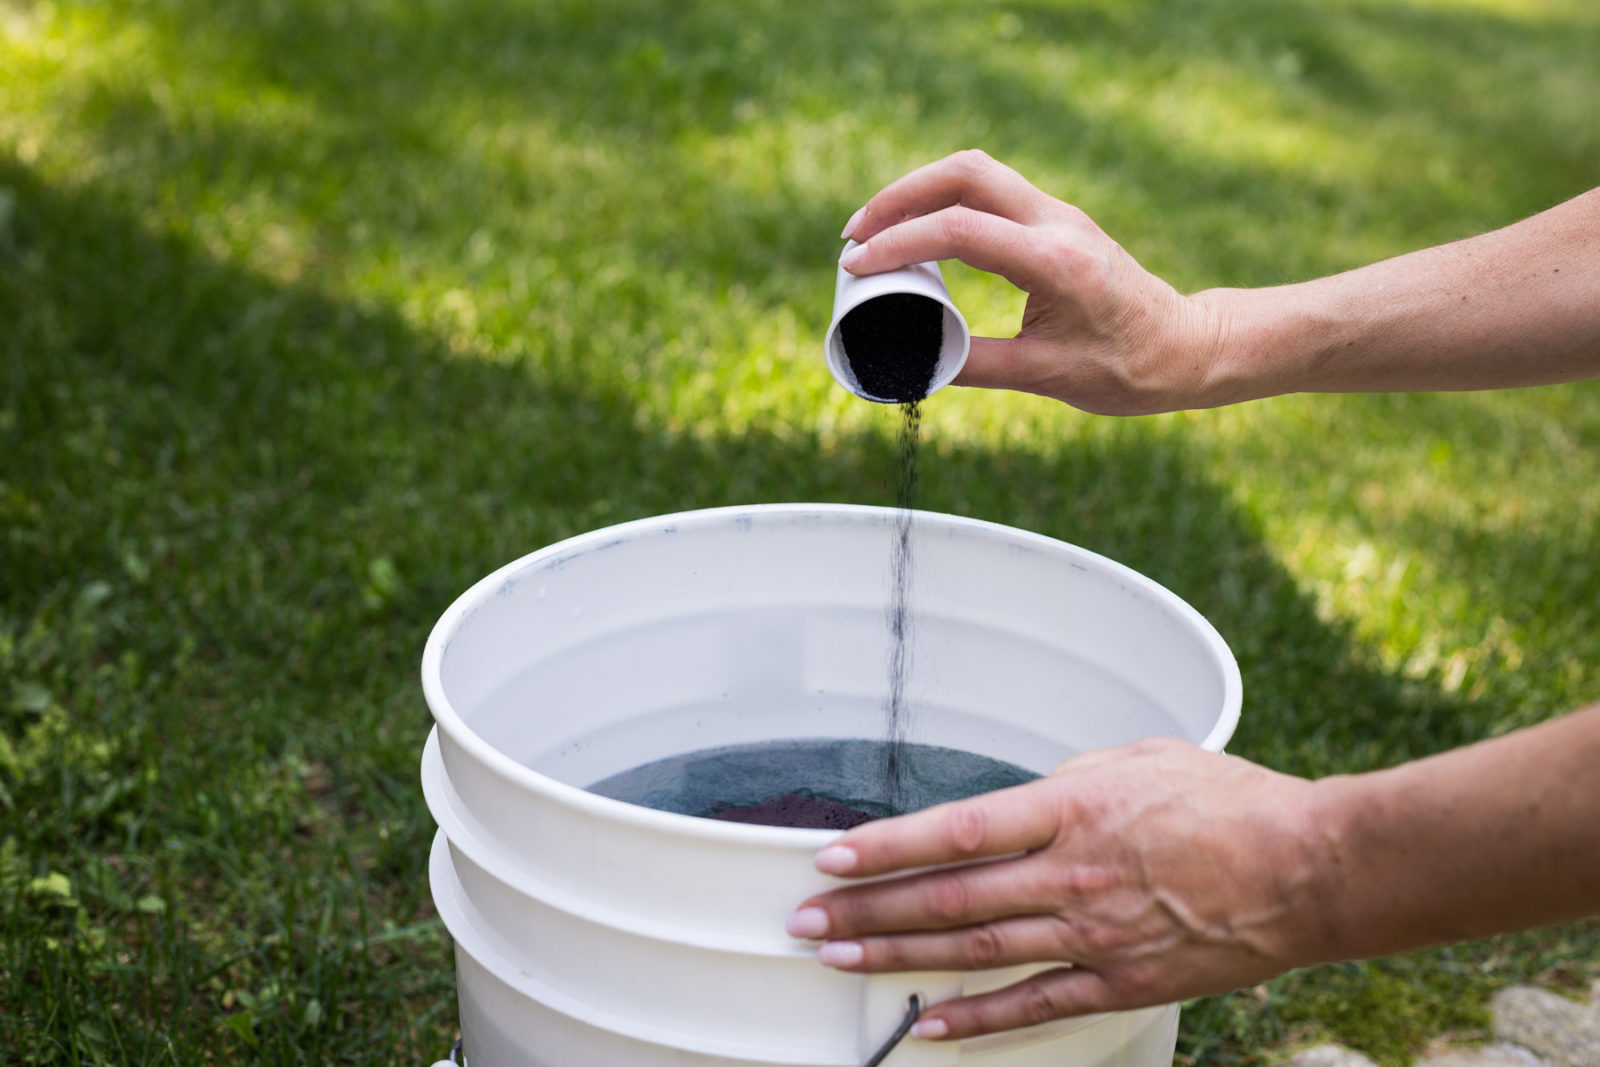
pixel 1003 363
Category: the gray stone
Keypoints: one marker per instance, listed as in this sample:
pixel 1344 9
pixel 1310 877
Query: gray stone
pixel 1496 1055
pixel 1329 1056
pixel 1563 1032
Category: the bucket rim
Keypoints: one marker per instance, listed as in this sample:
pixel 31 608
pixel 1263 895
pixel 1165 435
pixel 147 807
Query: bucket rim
pixel 490 758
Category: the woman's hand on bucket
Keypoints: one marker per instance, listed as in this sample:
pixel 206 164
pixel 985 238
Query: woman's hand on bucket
pixel 1158 871
pixel 1099 331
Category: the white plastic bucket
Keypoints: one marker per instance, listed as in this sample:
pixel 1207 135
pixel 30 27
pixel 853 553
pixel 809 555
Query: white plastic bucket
pixel 590 931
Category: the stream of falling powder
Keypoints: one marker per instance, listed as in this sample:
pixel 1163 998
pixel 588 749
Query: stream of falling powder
pixel 897 725
pixel 893 343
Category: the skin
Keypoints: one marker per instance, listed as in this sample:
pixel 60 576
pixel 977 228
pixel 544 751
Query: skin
pixel 1157 871
pixel 1508 308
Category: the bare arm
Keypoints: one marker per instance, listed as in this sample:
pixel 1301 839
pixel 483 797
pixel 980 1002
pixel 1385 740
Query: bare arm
pixel 1498 836
pixel 1162 872
pixel 1519 306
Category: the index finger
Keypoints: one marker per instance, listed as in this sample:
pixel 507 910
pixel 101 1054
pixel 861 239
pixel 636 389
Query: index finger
pixel 970 179
pixel 1019 819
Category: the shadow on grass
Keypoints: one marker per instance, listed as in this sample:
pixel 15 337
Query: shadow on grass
pixel 233 508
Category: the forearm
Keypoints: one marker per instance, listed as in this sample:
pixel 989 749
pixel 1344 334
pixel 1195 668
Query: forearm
pixel 1518 306
pixel 1498 836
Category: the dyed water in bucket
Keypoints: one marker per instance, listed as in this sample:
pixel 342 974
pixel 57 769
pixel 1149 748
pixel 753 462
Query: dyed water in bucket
pixel 590 931
pixel 844 772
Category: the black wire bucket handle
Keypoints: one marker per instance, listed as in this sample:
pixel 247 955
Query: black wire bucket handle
pixel 913 1009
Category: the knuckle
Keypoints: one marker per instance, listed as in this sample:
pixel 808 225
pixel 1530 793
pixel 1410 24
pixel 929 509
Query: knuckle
pixel 1068 937
pixel 884 953
pixel 985 948
pixel 960 226
pixel 949 900
pixel 1087 943
pixel 1074 215
pixel 1085 881
pixel 973 163
pixel 966 826
pixel 1067 256
pixel 1101 942
pixel 1137 985
pixel 1039 1004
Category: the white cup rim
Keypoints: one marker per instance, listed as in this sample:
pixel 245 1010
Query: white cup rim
pixel 920 279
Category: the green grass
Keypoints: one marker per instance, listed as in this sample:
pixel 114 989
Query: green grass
pixel 311 314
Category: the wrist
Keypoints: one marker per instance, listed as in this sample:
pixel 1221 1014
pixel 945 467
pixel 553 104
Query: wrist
pixel 1258 342
pixel 1381 884
pixel 1312 871
pixel 1336 809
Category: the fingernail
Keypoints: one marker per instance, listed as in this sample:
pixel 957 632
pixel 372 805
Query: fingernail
pixel 808 923
pixel 855 220
pixel 835 859
pixel 930 1029
pixel 852 257
pixel 840 953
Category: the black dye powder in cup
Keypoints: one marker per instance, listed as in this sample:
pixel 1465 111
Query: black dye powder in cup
pixel 892 344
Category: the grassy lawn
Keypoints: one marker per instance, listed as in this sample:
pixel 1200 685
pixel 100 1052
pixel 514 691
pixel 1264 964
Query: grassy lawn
pixel 312 313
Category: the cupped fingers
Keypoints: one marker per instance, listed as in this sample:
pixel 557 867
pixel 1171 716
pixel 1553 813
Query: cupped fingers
pixel 979 239
pixel 1059 993
pixel 971 178
pixel 1002 943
